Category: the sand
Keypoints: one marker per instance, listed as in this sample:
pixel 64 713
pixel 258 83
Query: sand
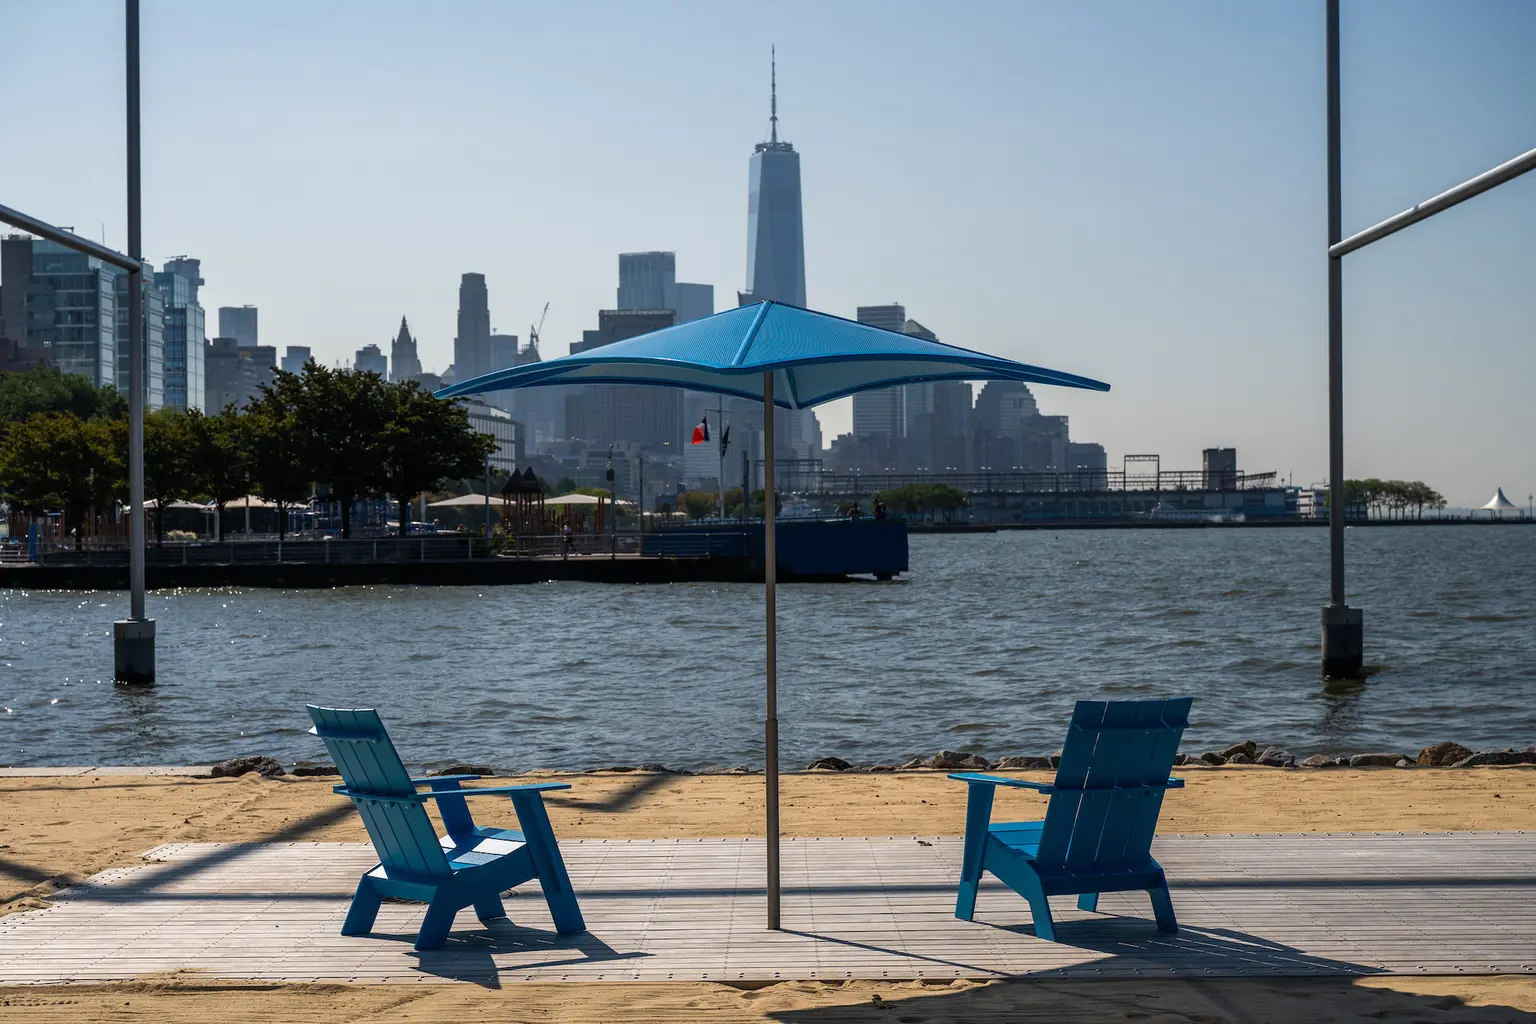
pixel 55 831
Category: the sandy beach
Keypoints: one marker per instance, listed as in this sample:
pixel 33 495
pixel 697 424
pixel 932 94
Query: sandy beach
pixel 58 830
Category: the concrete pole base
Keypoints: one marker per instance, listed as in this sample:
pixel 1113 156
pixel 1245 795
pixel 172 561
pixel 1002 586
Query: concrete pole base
pixel 133 651
pixel 1343 642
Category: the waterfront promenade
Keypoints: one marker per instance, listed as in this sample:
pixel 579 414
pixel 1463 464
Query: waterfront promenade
pixel 1358 874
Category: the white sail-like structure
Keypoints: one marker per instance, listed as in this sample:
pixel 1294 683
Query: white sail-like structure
pixel 1499 503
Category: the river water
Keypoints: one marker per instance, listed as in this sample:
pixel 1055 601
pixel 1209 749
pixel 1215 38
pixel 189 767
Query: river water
pixel 983 647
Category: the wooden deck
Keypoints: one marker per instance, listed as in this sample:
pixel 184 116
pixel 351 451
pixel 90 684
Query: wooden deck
pixel 1439 903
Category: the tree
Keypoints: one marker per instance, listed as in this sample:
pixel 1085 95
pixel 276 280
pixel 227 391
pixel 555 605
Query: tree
pixel 218 457
pixel 48 389
pixel 426 439
pixel 58 460
pixel 341 420
pixel 167 462
pixel 275 454
pixel 697 504
pixel 924 499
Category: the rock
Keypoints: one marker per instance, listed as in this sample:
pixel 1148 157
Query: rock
pixel 741 769
pixel 653 767
pixel 1246 747
pixel 916 762
pixel 1404 763
pixel 616 768
pixel 267 767
pixel 1211 757
pixel 831 764
pixel 1239 758
pixel 1442 755
pixel 882 767
pixel 1018 761
pixel 1493 757
pixel 1056 759
pixel 1276 757
pixel 1376 760
pixel 308 770
pixel 1319 761
pixel 462 769
pixel 1182 758
pixel 950 760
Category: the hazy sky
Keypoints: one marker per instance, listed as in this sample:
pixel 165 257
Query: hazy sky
pixel 1131 191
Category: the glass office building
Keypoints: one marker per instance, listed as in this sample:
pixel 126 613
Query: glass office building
pixel 154 342
pixel 71 310
pixel 184 333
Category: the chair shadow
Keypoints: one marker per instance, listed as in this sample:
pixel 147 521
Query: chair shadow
pixel 469 954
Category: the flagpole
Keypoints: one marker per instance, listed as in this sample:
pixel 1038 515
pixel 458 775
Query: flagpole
pixel 720 480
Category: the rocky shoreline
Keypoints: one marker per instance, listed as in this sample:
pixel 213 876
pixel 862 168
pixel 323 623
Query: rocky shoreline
pixel 1247 752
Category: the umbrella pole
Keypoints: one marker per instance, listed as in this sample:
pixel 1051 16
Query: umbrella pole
pixel 771 719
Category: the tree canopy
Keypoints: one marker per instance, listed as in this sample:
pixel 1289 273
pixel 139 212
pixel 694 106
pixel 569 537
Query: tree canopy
pixel 1391 499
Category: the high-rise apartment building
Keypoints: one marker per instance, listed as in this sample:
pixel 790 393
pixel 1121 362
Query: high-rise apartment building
pixel 184 333
pixel 62 305
pixel 404 362
pixel 694 301
pixel 881 413
pixel 950 428
pixel 371 359
pixel 295 357
pixel 239 322
pixel 648 417
pixel 775 229
pixel 471 347
pixel 234 374
pixel 152 331
pixel 647 280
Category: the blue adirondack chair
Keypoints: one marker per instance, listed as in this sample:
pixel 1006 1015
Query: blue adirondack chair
pixel 1097 832
pixel 471 866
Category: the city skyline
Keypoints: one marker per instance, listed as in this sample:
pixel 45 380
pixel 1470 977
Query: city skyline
pixel 1070 190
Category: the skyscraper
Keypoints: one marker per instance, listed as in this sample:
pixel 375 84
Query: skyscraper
pixel 295 358
pixel 184 333
pixel 404 361
pixel 471 348
pixel 881 413
pixel 694 301
pixel 647 280
pixel 153 334
pixel 63 304
pixel 371 359
pixel 238 322
pixel 775 231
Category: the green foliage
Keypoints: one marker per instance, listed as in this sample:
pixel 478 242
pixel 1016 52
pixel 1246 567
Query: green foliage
pixel 565 485
pixel 274 459
pixel 424 441
pixel 592 492
pixel 342 417
pixel 217 457
pixel 168 473
pixel 926 500
pixel 47 389
pixel 698 504
pixel 1390 498
pixel 53 460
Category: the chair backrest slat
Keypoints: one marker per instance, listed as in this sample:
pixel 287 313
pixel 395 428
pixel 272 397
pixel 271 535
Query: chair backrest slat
pixel 402 833
pixel 1100 819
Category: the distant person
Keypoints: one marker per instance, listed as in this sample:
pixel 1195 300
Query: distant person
pixel 879 509
pixel 569 540
pixel 855 512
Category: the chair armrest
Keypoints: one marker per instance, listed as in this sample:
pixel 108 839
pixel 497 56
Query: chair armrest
pixel 433 779
pixel 998 780
pixel 536 787
pixel 1174 783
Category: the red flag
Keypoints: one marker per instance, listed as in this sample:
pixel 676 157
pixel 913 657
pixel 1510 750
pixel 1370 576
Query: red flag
pixel 701 432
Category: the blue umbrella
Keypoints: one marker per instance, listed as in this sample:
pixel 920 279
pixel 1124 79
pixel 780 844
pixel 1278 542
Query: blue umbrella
pixel 783 356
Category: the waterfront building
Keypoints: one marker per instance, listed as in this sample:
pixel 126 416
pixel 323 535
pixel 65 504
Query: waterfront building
pixel 152 331
pixel 184 333
pixel 775 229
pixel 62 305
pixel 1220 467
pixel 371 359
pixel 693 301
pixel 295 357
pixel 404 362
pixel 234 374
pixel 471 346
pixel 950 429
pixel 499 425
pixel 239 322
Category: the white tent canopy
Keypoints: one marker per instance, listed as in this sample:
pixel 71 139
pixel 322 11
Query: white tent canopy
pixel 249 501
pixel 462 501
pixel 152 504
pixel 1499 503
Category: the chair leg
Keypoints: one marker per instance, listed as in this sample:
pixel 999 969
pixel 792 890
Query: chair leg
pixel 364 909
pixel 436 925
pixel 1040 910
pixel 547 861
pixel 1162 908
pixel 489 908
pixel 1088 901
pixel 978 816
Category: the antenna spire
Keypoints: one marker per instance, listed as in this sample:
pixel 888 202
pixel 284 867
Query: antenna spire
pixel 773 93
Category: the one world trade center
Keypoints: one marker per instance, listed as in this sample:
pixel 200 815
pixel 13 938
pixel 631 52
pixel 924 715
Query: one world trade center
pixel 775 236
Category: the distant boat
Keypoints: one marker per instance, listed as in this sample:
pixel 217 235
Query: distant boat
pixel 1170 513
pixel 800 509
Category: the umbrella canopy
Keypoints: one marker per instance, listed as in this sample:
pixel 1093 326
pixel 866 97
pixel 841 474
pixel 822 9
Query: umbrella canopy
pixel 152 503
pixel 463 500
pixel 249 501
pixel 584 499
pixel 1499 503
pixel 813 358
pixel 783 356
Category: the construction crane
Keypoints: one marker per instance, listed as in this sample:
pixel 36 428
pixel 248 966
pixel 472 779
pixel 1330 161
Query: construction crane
pixel 533 332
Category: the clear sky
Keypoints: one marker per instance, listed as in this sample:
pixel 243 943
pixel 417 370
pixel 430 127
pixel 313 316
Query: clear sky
pixel 1132 191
